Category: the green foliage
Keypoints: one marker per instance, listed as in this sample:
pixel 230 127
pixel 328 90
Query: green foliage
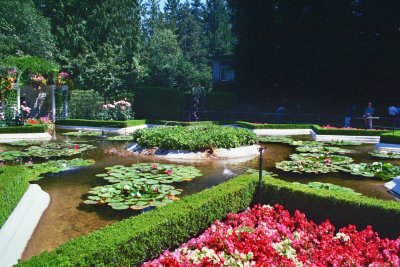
pixel 26 143
pixel 24 29
pixel 272 126
pixel 23 129
pixel 159 103
pixel 139 238
pixel 328 186
pixel 156 172
pixel 384 171
pixel 305 166
pixel 100 123
pixel 198 137
pixel 276 139
pixel 343 131
pixel 385 154
pixel 80 133
pixel 54 166
pixel 323 150
pixel 120 138
pixel 342 143
pixel 391 137
pixel 340 208
pixel 85 104
pixel 46 151
pixel 321 157
pixel 13 184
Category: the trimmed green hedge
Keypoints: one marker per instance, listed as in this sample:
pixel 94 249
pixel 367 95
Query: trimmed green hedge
pixel 220 101
pixel 356 132
pixel 159 103
pixel 272 126
pixel 391 137
pixel 137 239
pixel 23 129
pixel 101 123
pixel 13 184
pixel 340 208
pixel 134 240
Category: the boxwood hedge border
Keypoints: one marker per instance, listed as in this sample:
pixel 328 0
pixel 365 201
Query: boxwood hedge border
pixel 251 125
pixel 13 185
pixel 354 132
pixel 23 129
pixel 137 239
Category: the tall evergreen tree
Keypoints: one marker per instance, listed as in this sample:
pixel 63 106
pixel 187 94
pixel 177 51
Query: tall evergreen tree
pixel 222 40
pixel 171 10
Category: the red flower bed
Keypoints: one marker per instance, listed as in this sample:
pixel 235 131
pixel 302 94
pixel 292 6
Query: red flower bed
pixel 269 236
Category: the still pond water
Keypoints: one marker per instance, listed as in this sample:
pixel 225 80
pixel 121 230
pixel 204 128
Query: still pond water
pixel 67 217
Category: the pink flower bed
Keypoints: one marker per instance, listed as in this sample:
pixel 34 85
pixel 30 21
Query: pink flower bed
pixel 269 236
pixel 341 128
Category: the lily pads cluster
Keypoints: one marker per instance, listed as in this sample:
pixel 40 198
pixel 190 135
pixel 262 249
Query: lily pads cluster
pixel 55 166
pixel 343 143
pixel 384 171
pixel 276 139
pixel 46 151
pixel 323 158
pixel 329 186
pixel 141 185
pixel 305 166
pixel 385 154
pixel 323 149
pixel 120 138
pixel 26 143
pixel 83 133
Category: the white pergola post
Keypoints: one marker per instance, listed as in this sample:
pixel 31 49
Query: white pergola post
pixel 53 102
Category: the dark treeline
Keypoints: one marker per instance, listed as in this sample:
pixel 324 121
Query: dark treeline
pixel 318 55
pixel 113 46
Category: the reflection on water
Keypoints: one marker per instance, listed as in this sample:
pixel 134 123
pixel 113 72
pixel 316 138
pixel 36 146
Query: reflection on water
pixel 67 217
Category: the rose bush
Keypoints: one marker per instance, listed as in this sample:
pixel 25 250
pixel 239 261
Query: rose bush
pixel 270 236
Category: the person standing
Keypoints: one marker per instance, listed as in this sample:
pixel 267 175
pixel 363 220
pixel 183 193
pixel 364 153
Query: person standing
pixel 393 112
pixel 349 114
pixel 368 113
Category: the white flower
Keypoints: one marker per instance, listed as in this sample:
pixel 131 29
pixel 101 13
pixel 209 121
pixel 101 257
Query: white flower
pixel 342 237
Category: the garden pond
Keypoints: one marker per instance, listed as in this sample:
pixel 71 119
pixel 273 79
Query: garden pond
pixel 68 217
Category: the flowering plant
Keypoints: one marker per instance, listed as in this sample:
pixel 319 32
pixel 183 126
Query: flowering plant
pixel 118 110
pixel 7 81
pixel 269 236
pixel 62 78
pixel 38 81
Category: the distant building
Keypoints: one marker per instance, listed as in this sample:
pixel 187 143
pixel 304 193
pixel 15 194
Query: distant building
pixel 222 70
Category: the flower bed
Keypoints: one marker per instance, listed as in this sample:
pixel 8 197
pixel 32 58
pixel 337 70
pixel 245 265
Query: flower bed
pixel 269 236
pixel 194 137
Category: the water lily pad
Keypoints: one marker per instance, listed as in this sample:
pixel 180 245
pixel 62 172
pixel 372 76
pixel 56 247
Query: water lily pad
pixel 342 143
pixel 82 133
pixel 323 149
pixel 329 186
pixel 305 166
pixel 120 138
pixel 27 143
pixel 276 139
pixel 385 154
pixel 322 158
pixel 384 171
pixel 264 172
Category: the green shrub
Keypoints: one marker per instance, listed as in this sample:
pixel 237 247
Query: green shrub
pixel 158 103
pixel 342 131
pixel 23 129
pixel 137 239
pixel 391 137
pixel 340 208
pixel 195 137
pixel 85 104
pixel 250 125
pixel 13 184
pixel 101 123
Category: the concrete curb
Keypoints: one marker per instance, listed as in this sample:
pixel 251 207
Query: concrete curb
pixel 20 225
pixel 388 147
pixel 362 139
pixel 8 138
